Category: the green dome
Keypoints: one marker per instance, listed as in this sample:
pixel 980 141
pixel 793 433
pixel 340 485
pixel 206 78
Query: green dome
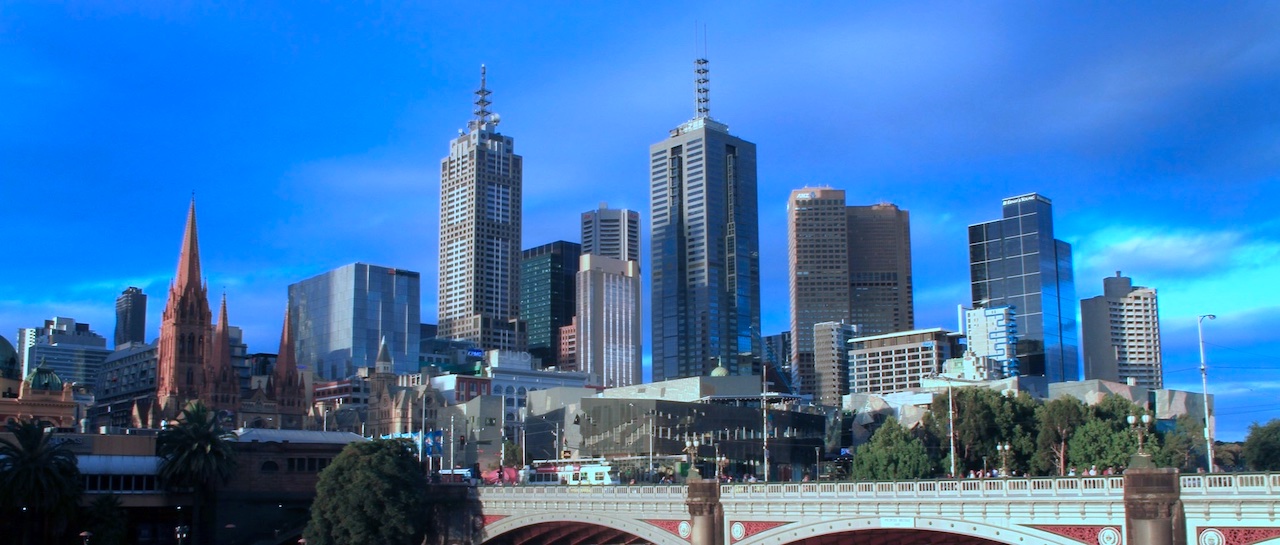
pixel 719 371
pixel 44 379
pixel 8 360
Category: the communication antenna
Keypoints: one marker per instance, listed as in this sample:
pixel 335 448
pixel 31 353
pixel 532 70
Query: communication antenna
pixel 482 99
pixel 701 78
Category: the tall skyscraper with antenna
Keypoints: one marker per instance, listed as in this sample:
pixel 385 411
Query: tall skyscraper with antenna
pixel 480 215
pixel 704 247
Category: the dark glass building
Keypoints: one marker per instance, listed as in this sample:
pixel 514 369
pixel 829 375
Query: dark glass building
pixel 548 296
pixel 131 317
pixel 339 319
pixel 704 252
pixel 1015 261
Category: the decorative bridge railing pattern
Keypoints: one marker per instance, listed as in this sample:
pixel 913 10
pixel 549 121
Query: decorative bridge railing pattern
pixel 1222 509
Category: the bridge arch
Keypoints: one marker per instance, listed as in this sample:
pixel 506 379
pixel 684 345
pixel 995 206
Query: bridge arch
pixel 921 530
pixel 578 521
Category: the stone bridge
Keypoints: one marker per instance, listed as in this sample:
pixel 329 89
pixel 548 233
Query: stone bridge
pixel 1144 507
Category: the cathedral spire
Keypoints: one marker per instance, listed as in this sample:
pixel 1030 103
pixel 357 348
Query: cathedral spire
pixel 189 259
pixel 286 362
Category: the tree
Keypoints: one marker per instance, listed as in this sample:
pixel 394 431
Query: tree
pixel 1057 419
pixel 893 454
pixel 1097 443
pixel 39 477
pixel 1180 447
pixel 196 455
pixel 1262 447
pixel 373 493
pixel 106 520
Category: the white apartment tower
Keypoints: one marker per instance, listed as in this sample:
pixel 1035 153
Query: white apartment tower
pixel 480 218
pixel 611 233
pixel 992 333
pixel 609 327
pixel 1121 334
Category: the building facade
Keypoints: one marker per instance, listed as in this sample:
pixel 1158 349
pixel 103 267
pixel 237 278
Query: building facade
pixel 880 284
pixel 131 317
pixel 882 364
pixel 704 249
pixel 612 233
pixel 340 317
pixel 608 326
pixel 480 221
pixel 1120 334
pixel 831 361
pixel 66 347
pixel 548 296
pixel 992 333
pixel 1016 262
pixel 818 273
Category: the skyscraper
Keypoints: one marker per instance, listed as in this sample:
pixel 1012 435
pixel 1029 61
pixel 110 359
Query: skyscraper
pixel 608 327
pixel 818 251
pixel 849 264
pixel 705 247
pixel 548 296
pixel 340 317
pixel 1015 261
pixel 66 347
pixel 480 220
pixel 992 333
pixel 1120 332
pixel 131 317
pixel 831 361
pixel 880 269
pixel 612 233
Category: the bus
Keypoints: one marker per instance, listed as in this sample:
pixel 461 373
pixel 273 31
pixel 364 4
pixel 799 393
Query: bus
pixel 583 471
pixel 458 476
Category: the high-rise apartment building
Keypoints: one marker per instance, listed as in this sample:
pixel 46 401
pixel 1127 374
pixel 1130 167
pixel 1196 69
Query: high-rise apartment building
pixel 340 317
pixel 131 317
pixel 1121 334
pixel 848 264
pixel 880 269
pixel 609 329
pixel 882 364
pixel 480 220
pixel 1016 262
pixel 548 296
pixel 611 233
pixel 66 347
pixel 992 333
pixel 705 248
pixel 831 361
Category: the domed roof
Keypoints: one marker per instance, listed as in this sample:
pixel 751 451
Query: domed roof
pixel 8 359
pixel 720 371
pixel 44 379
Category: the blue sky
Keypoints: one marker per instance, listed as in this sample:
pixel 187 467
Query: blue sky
pixel 312 135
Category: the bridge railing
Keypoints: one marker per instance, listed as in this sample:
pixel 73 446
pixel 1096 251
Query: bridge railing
pixel 1231 483
pixel 588 493
pixel 1028 487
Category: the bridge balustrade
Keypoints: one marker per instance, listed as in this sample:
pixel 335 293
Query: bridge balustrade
pixel 1062 486
pixel 1231 483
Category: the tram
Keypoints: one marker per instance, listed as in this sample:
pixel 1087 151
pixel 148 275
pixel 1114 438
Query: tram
pixel 581 471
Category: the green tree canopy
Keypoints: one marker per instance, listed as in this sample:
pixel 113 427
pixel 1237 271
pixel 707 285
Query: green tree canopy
pixel 373 493
pixel 1262 447
pixel 1097 443
pixel 38 476
pixel 892 454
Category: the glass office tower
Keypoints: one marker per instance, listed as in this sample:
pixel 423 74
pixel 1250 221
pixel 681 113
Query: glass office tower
pixel 705 252
pixel 339 318
pixel 548 296
pixel 1016 262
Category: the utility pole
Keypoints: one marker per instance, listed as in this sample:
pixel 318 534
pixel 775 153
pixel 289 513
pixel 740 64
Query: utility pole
pixel 1204 383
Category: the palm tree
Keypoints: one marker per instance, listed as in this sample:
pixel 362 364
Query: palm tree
pixel 40 479
pixel 195 456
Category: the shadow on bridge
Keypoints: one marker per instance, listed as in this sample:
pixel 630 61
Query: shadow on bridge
pixel 895 536
pixel 566 533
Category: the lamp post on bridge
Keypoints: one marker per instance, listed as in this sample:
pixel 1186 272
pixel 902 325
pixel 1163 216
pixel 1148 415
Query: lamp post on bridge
pixel 1004 451
pixel 1204 384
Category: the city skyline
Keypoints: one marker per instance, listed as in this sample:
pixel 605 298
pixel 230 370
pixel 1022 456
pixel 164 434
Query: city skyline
pixel 314 141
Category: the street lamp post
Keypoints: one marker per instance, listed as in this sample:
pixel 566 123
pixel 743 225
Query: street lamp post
pixel 1139 427
pixel 1004 458
pixel 951 422
pixel 1204 384
pixel 691 450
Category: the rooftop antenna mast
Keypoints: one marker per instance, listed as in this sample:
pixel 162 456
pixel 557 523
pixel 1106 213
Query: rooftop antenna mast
pixel 702 102
pixel 482 100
